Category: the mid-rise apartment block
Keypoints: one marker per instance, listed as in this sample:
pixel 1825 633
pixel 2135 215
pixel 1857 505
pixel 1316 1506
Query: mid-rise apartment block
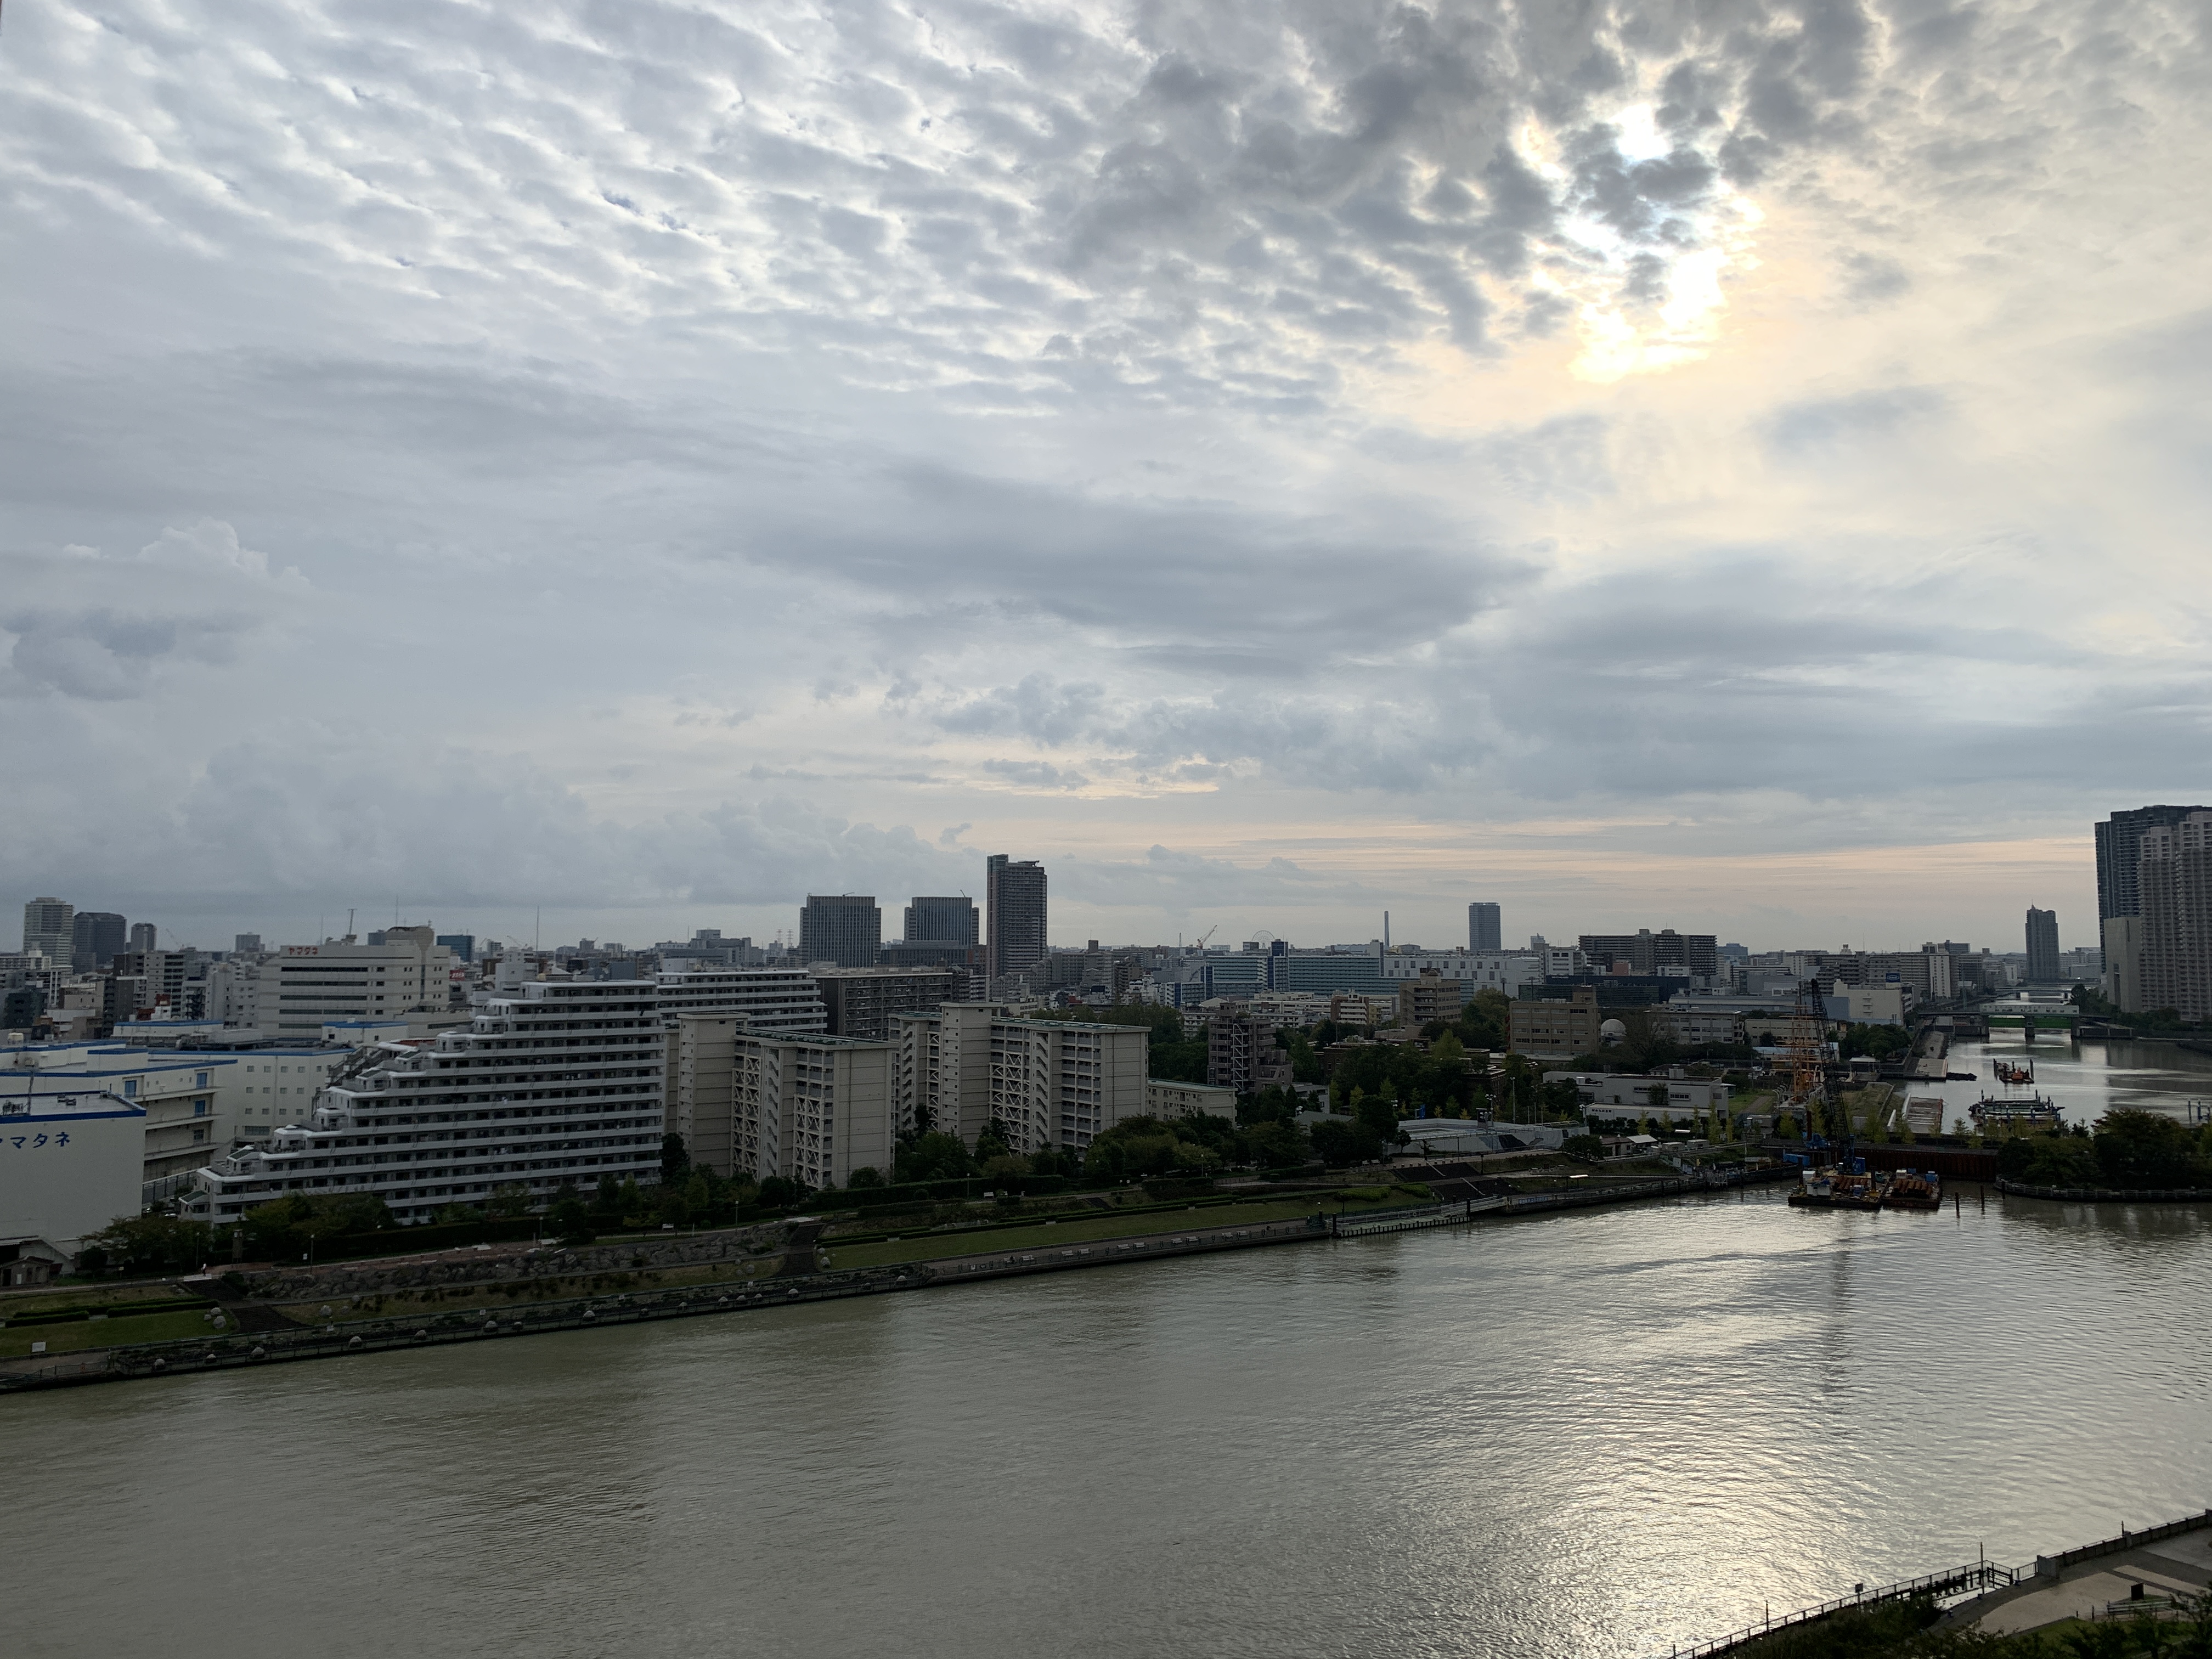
pixel 1048 1083
pixel 773 999
pixel 859 1002
pixel 559 1081
pixel 1241 1053
pixel 1647 953
pixel 1429 996
pixel 811 1109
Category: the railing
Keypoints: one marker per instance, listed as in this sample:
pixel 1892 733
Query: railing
pixel 1959 1581
pixel 2049 1566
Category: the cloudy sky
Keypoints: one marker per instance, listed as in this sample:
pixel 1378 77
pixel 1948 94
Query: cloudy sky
pixel 1730 466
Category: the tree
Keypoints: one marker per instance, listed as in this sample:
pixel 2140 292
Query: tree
pixel 510 1198
pixel 866 1179
pixel 572 1222
pixel 2144 1149
pixel 992 1141
pixel 1276 1145
pixel 1583 1149
pixel 608 1195
pixel 778 1194
pixel 674 1161
pixel 1340 1141
pixel 933 1157
pixel 154 1243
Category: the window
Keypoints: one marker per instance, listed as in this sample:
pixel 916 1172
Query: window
pixel 200 1108
pixel 130 1088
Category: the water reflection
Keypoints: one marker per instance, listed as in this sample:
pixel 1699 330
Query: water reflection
pixel 1592 1434
pixel 2085 1079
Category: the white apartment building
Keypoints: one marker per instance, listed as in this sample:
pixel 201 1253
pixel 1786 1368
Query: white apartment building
pixel 702 1073
pixel 233 991
pixel 561 1081
pixel 182 1097
pixel 305 986
pixel 1049 1084
pixel 781 999
pixel 1165 1098
pixel 810 1109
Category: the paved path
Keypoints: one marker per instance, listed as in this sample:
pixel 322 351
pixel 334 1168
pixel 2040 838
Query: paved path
pixel 2172 1566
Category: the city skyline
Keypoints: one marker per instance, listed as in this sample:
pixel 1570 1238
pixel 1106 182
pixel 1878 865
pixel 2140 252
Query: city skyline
pixel 1667 501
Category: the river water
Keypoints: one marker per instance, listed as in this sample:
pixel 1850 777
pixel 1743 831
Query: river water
pixel 1591 1434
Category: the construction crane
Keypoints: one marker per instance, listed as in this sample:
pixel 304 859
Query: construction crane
pixel 1808 1056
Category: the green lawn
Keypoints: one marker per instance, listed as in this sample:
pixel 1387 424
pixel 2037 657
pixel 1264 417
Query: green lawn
pixel 78 1334
pixel 930 1246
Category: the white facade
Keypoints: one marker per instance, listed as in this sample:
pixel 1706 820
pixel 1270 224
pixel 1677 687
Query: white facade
pixel 1684 1095
pixel 306 986
pixel 270 1088
pixel 810 1109
pixel 1164 1098
pixel 1488 970
pixel 562 1082
pixel 70 1161
pixel 182 1097
pixel 771 998
pixel 233 991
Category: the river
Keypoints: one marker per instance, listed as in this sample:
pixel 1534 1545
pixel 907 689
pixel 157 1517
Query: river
pixel 1588 1434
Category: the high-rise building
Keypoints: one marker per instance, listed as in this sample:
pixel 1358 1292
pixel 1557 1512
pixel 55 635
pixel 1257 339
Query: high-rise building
pixel 1014 891
pixel 463 945
pixel 144 936
pixel 1485 927
pixel 860 1002
pixel 844 929
pixel 96 939
pixel 2174 890
pixel 49 927
pixel 2042 946
pixel 2119 844
pixel 1049 1085
pixel 943 921
pixel 812 1110
pixel 245 945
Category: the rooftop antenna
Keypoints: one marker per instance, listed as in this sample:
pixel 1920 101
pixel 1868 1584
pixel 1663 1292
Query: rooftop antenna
pixel 349 924
pixel 1385 930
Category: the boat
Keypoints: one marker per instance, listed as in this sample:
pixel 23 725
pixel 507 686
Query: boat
pixel 1913 1189
pixel 1836 1188
pixel 2013 1074
pixel 2037 1112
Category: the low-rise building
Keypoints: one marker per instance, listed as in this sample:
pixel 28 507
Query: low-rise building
pixel 1164 1097
pixel 182 1097
pixel 1630 1094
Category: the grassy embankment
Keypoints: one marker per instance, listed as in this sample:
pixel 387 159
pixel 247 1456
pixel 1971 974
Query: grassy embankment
pixel 102 1330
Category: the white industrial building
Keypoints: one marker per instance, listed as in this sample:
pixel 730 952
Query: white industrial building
pixel 71 1158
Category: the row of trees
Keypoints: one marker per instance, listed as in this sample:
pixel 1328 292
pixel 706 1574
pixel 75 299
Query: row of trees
pixel 2127 1151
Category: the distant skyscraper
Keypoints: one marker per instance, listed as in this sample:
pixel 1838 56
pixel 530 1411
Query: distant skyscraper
pixel 143 936
pixel 1483 926
pixel 2119 843
pixel 246 944
pixel 463 945
pixel 2176 896
pixel 49 926
pixel 95 936
pixel 943 921
pixel 846 928
pixel 2042 946
pixel 1014 889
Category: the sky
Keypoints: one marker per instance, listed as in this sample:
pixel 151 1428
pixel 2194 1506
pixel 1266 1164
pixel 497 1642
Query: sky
pixel 613 468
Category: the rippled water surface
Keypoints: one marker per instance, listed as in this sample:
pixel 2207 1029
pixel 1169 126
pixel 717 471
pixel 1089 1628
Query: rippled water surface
pixel 1593 1434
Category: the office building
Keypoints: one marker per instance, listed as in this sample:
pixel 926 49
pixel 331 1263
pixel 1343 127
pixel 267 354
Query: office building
pixel 144 936
pixel 304 986
pixel 1014 893
pixel 2043 966
pixel 463 945
pixel 811 1109
pixel 2119 855
pixel 1555 1028
pixel 96 939
pixel 859 1002
pixel 2174 890
pixel 846 929
pixel 1485 927
pixel 943 921
pixel 49 928
pixel 1048 1083
pixel 245 945
pixel 1665 953
pixel 560 1081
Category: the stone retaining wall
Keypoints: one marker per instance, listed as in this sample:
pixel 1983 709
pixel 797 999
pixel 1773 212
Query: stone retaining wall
pixel 2106 1196
pixel 503 1263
